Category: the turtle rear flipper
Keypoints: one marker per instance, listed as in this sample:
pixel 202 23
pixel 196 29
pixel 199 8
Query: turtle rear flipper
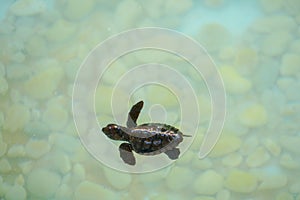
pixel 134 114
pixel 126 153
pixel 173 154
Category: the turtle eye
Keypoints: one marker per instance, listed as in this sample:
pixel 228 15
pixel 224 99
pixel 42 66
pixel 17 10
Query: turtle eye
pixel 112 126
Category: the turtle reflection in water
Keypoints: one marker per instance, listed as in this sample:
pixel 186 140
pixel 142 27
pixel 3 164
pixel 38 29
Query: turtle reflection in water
pixel 145 139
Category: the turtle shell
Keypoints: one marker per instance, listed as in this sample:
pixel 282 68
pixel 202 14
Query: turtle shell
pixel 154 138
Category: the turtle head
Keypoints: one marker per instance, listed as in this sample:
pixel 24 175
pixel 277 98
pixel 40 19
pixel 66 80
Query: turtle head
pixel 114 132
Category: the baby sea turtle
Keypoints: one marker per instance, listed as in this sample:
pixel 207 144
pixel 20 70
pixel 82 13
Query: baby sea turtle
pixel 145 139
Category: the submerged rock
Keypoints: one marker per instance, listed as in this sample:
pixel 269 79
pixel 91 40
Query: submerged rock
pixel 3 86
pixel 3 148
pixel 179 178
pixel 273 23
pixel 36 148
pixel 117 179
pixel 234 82
pixel 214 36
pixel 225 145
pixel 271 5
pixel 257 158
pixel 43 84
pixel 276 43
pixel 240 181
pixel 274 181
pixel 208 183
pixel 16 192
pixel 64 192
pixel 232 160
pixel 42 183
pixel 272 147
pixel 60 31
pixel 92 191
pixel 253 116
pixel 291 143
pixel 290 65
pixel 16 117
pixel 25 8
pixel 16 150
pixel 56 117
pixel 75 9
pixel 5 166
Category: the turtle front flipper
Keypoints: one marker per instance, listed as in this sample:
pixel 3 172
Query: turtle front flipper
pixel 134 114
pixel 173 154
pixel 126 153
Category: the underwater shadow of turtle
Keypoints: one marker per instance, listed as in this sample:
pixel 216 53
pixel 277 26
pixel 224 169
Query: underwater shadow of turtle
pixel 144 139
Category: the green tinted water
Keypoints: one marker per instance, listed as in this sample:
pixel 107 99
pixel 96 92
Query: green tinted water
pixel 255 46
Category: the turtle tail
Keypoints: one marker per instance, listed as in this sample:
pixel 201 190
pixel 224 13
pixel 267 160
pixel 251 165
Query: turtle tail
pixel 186 135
